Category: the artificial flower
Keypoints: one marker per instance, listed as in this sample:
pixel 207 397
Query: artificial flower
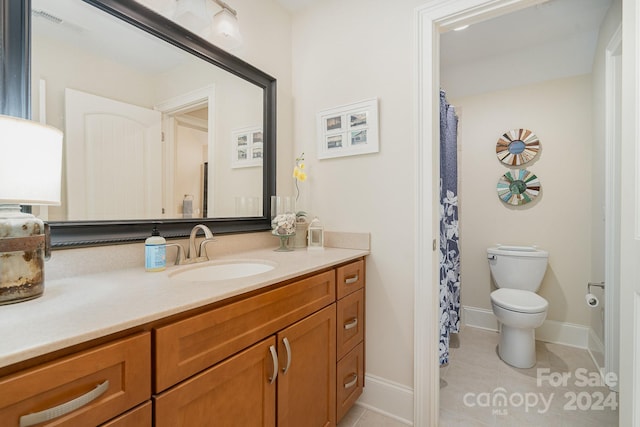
pixel 299 174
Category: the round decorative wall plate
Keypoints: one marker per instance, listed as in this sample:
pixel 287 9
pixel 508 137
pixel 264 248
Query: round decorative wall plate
pixel 517 146
pixel 518 187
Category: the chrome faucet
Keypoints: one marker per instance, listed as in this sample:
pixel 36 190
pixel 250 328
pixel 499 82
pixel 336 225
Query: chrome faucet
pixel 208 237
pixel 194 255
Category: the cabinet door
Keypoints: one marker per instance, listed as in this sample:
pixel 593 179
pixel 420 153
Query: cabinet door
pixel 307 380
pixel 239 391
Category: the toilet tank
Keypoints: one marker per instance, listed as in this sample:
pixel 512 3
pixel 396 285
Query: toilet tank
pixel 517 267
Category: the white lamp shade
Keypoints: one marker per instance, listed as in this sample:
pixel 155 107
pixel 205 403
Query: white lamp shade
pixel 191 14
pixel 224 29
pixel 30 162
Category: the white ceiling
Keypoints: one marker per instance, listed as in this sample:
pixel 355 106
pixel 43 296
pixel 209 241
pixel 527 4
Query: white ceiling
pixel 552 40
pixel 549 22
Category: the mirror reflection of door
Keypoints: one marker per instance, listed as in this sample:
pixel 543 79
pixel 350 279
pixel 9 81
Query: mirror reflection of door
pixel 110 145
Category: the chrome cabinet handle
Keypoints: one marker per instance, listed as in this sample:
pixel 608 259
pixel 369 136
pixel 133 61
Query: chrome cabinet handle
pixel 274 358
pixel 351 323
pixel 65 408
pixel 352 382
pixel 351 280
pixel 287 347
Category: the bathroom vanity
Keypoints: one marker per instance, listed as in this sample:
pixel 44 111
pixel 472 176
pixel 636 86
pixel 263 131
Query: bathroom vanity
pixel 282 348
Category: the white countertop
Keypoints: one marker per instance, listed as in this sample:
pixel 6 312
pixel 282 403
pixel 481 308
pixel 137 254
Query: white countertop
pixel 78 309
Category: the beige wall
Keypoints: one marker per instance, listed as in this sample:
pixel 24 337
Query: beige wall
pixel 560 113
pixel 344 52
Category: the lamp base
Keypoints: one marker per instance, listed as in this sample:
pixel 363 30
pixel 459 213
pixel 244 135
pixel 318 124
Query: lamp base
pixel 22 255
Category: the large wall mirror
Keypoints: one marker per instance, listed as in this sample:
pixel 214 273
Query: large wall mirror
pixel 159 125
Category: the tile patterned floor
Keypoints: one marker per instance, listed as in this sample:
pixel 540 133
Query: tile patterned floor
pixel 562 390
pixel 475 379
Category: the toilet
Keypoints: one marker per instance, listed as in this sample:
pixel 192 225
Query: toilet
pixel 518 272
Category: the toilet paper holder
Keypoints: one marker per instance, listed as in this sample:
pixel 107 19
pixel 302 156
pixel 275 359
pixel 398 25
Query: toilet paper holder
pixel 597 284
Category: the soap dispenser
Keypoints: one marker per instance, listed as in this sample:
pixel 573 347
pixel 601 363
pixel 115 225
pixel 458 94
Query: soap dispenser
pixel 155 251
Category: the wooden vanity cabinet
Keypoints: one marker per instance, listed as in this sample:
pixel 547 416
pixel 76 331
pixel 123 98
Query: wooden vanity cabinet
pixel 290 356
pixel 217 368
pixel 104 381
pixel 242 390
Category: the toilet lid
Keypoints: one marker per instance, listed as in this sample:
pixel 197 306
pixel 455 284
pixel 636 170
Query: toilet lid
pixel 519 300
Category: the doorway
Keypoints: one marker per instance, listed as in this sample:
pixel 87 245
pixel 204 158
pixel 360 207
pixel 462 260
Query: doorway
pixel 436 17
pixel 192 113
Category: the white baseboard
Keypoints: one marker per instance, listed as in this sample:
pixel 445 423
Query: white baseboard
pixel 388 398
pixel 479 318
pixel 595 346
pixel 551 331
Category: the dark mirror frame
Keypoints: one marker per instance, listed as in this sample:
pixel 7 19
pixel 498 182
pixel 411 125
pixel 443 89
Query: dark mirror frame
pixel 15 94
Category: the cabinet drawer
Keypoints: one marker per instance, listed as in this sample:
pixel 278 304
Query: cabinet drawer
pixel 350 380
pixel 350 278
pixel 239 391
pixel 350 322
pixel 189 346
pixel 137 417
pixel 122 369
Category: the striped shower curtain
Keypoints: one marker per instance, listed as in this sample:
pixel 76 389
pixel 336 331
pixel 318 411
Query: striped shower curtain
pixel 449 233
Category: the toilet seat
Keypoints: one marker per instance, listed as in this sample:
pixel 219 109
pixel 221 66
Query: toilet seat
pixel 519 300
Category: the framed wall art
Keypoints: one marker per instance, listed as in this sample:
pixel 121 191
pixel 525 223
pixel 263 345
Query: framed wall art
pixel 348 130
pixel 247 147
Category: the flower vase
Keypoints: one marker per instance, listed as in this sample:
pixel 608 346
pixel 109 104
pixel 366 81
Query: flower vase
pixel 283 221
pixel 284 242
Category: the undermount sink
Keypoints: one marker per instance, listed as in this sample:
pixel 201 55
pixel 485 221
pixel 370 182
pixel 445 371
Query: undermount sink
pixel 222 270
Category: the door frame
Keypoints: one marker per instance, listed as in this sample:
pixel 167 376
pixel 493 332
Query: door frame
pixel 431 19
pixel 612 208
pixel 629 309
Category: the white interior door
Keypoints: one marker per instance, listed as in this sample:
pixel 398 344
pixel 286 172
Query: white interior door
pixel 113 159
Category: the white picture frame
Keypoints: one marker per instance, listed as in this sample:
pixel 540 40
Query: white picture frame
pixel 348 130
pixel 247 147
